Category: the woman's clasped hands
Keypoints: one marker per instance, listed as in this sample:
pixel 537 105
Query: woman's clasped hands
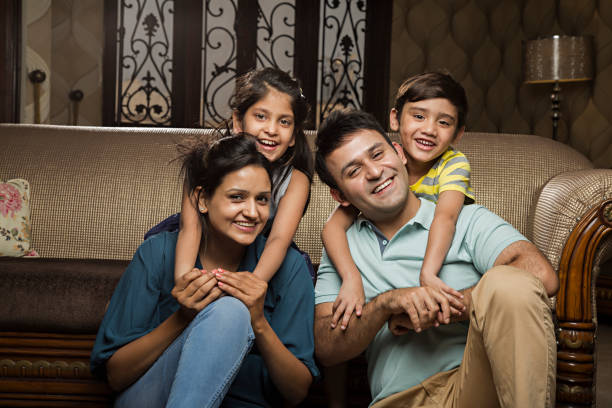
pixel 195 290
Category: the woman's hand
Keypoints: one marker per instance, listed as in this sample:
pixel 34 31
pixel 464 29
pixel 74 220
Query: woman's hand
pixel 247 288
pixel 194 291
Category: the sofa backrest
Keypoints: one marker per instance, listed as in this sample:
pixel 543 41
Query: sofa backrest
pixel 96 191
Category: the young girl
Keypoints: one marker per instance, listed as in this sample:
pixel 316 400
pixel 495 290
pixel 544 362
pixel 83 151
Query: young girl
pixel 429 114
pixel 167 344
pixel 269 105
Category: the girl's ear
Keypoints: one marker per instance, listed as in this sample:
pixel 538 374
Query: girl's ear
pixel 236 123
pixel 394 120
pixel 339 197
pixel 201 200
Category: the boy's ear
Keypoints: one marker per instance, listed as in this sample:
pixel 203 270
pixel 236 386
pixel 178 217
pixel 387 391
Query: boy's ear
pixel 339 197
pixel 459 134
pixel 201 200
pixel 400 152
pixel 394 120
pixel 236 123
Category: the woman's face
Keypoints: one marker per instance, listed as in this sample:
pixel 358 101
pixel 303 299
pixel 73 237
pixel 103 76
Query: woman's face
pixel 271 121
pixel 239 207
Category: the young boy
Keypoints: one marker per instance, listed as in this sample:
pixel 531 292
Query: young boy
pixel 429 113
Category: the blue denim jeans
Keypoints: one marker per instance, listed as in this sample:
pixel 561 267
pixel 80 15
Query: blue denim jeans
pixel 197 369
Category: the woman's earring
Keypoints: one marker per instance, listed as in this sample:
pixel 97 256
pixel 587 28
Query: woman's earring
pixel 202 209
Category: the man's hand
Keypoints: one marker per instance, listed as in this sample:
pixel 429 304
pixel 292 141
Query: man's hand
pixel 424 306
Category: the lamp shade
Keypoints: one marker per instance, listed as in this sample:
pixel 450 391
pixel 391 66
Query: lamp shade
pixel 559 58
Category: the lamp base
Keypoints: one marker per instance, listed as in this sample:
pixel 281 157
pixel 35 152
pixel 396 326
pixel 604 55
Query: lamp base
pixel 555 98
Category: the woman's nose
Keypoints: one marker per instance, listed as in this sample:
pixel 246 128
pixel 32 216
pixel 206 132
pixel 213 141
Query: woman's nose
pixel 250 208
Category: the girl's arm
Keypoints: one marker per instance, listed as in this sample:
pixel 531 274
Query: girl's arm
pixel 440 238
pixel 351 297
pixel 286 221
pixel 290 376
pixel 190 233
pixel 133 359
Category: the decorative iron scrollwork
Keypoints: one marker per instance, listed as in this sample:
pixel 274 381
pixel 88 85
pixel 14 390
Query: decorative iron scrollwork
pixel 275 34
pixel 342 63
pixel 219 60
pixel 145 62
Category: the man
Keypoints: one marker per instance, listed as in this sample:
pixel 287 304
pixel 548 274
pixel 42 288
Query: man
pixel 419 354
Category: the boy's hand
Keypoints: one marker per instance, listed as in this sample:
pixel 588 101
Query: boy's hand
pixel 350 298
pixel 454 296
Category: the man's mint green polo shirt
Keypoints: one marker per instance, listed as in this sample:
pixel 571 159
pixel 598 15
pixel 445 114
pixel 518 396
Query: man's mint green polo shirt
pixel 398 363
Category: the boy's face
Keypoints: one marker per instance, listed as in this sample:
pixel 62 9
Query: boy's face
pixel 426 128
pixel 370 174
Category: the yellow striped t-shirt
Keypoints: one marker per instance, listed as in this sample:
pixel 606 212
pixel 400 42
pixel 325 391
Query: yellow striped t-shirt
pixel 451 172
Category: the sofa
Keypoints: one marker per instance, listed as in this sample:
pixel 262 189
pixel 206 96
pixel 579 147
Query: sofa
pixel 95 191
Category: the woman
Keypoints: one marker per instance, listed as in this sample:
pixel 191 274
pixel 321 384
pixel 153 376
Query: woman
pixel 189 344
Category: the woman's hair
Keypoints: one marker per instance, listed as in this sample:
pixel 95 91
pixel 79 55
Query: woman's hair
pixel 253 86
pixel 206 162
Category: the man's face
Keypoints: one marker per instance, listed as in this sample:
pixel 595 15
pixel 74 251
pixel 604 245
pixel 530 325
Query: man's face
pixel 370 174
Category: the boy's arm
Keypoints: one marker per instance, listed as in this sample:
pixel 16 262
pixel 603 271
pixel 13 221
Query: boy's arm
pixel 351 296
pixel 190 234
pixel 440 238
pixel 286 222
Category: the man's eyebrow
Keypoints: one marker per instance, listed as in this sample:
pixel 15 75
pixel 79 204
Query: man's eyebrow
pixel 355 161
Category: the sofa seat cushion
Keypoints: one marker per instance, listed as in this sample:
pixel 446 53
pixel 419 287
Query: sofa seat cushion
pixel 56 295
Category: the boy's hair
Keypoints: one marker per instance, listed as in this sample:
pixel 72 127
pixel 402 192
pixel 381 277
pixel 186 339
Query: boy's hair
pixel 253 86
pixel 432 85
pixel 334 131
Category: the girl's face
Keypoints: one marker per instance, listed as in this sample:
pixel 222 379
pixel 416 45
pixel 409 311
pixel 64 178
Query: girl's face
pixel 271 121
pixel 239 207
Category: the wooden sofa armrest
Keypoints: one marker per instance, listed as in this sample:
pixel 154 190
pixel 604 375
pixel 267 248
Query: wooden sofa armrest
pixel 575 307
pixel 571 223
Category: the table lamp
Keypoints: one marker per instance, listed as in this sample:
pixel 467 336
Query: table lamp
pixel 556 59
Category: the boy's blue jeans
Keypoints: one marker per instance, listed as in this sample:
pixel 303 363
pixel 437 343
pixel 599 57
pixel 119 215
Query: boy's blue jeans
pixel 197 369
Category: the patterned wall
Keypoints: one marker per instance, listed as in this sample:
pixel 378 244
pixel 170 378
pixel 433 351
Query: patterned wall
pixel 479 42
pixel 64 38
pixel 77 32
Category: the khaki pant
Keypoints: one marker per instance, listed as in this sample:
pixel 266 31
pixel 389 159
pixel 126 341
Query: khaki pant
pixel 510 355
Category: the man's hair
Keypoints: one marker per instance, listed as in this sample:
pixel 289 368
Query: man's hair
pixel 432 85
pixel 334 131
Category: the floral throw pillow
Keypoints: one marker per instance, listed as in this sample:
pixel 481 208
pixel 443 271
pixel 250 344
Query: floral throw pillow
pixel 15 224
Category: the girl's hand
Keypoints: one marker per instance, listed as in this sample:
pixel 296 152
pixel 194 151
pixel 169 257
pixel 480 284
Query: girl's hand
pixel 350 298
pixel 454 296
pixel 247 288
pixel 194 291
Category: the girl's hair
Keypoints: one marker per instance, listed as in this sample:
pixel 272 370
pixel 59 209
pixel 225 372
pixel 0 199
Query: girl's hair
pixel 253 86
pixel 206 162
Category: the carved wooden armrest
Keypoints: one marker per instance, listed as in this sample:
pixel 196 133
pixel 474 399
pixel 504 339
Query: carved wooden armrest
pixel 571 219
pixel 576 332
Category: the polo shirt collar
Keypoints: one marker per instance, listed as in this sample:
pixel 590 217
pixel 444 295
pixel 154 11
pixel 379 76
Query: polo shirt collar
pixel 423 217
